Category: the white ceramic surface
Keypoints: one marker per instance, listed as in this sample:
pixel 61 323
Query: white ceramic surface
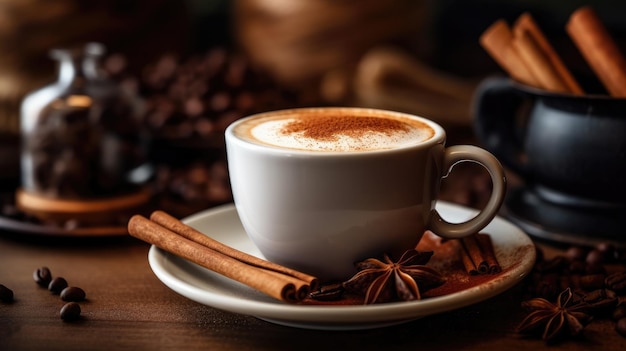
pixel 515 250
pixel 321 211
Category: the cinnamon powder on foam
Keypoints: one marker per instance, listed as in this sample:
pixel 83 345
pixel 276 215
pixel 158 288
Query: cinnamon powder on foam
pixel 328 127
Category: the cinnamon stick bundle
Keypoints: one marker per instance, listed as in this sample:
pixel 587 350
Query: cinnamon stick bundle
pixel 171 235
pixel 478 255
pixel 599 50
pixel 497 40
pixel 526 54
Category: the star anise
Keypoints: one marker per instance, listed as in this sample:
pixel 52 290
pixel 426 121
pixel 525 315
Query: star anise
pixel 567 317
pixel 383 281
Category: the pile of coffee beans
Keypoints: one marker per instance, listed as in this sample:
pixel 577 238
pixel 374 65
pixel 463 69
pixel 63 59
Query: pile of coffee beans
pixel 189 103
pixel 199 184
pixel 597 274
pixel 200 95
pixel 59 286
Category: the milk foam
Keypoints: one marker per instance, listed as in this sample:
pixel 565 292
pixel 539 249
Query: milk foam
pixel 272 132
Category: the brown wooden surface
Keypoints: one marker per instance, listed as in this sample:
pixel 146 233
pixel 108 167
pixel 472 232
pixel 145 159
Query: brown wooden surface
pixel 128 308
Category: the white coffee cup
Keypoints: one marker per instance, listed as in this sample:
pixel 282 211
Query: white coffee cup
pixel 358 183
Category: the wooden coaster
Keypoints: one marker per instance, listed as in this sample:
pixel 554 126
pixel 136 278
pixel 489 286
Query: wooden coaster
pixel 87 210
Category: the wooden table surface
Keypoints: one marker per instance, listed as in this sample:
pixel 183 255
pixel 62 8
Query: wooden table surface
pixel 128 308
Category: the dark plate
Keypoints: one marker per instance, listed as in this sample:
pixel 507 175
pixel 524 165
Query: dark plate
pixel 28 228
pixel 22 225
pixel 572 225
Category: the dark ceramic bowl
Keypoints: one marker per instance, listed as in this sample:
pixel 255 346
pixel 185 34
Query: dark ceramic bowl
pixel 570 149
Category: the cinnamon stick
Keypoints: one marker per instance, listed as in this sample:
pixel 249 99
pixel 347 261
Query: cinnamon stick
pixel 190 233
pixel 486 246
pixel 538 63
pixel 526 24
pixel 599 50
pixel 279 286
pixel 478 255
pixel 469 265
pixel 497 41
pixel 473 251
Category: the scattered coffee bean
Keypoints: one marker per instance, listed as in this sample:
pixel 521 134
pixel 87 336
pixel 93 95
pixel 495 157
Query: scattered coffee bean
pixel 556 264
pixel 592 281
pixel 595 256
pixel 576 253
pixel 598 295
pixel 601 302
pixel 609 251
pixel 42 276
pixel 619 312
pixel 57 285
pixel 620 327
pixel 328 292
pixel 73 293
pixel 70 311
pixel 546 285
pixel 6 294
pixel 617 282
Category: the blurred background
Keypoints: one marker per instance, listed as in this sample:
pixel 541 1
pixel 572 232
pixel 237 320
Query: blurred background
pixel 201 64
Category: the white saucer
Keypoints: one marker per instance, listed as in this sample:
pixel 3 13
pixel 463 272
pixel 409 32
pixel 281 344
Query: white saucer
pixel 515 251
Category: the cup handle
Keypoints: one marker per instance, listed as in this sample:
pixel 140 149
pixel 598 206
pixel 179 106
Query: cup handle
pixel 468 153
pixel 495 108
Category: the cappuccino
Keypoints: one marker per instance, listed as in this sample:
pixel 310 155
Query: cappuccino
pixel 337 132
pixel 318 189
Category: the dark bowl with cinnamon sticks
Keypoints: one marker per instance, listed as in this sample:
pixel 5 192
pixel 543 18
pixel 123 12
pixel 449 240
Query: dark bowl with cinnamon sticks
pixel 568 144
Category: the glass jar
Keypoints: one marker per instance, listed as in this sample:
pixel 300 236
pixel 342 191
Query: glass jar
pixel 81 136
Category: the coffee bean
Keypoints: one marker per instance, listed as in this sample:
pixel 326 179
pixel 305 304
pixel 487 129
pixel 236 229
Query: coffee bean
pixel 42 276
pixel 600 303
pixel 328 292
pixel 620 327
pixel 57 285
pixel 576 253
pixel 595 256
pixel 73 293
pixel 609 251
pixel 70 311
pixel 577 266
pixel 547 286
pixel 617 282
pixel 619 312
pixel 6 294
pixel 592 281
pixel 555 264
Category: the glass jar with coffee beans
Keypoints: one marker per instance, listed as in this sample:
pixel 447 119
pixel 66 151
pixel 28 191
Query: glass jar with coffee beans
pixel 81 135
